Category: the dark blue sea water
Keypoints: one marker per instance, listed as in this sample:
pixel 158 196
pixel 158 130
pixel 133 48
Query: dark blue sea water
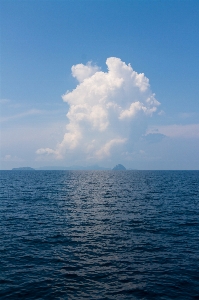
pixel 99 234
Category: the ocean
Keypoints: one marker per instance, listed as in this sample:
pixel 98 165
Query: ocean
pixel 99 235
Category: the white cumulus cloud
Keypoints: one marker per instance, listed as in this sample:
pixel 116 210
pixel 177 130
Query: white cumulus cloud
pixel 105 113
pixel 82 72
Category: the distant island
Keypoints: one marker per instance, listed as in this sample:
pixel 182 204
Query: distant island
pixel 23 169
pixel 119 167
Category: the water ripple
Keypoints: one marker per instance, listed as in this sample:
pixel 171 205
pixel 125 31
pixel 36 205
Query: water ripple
pixel 99 234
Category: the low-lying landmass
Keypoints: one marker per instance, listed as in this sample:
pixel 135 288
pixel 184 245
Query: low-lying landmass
pixel 118 167
pixel 23 169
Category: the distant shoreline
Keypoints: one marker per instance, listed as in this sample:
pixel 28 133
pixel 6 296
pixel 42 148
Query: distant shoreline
pixel 72 168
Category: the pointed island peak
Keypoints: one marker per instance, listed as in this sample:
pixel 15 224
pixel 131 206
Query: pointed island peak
pixel 119 167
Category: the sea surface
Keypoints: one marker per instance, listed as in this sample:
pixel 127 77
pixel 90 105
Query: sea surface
pixel 99 235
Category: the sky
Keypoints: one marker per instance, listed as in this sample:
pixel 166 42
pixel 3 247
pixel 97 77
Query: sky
pixel 99 82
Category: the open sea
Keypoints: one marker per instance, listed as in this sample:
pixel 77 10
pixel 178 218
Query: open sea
pixel 99 235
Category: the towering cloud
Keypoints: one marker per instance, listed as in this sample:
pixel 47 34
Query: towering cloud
pixel 106 111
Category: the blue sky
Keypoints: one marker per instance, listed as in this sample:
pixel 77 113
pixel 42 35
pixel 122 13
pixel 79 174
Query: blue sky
pixel 42 40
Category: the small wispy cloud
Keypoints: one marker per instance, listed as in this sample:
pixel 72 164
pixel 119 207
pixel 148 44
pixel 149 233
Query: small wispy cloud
pixel 186 115
pixel 31 112
pixel 176 131
pixel 161 113
pixel 4 101
pixel 12 158
pixel 21 115
pixel 153 137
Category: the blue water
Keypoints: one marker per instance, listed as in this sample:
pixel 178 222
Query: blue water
pixel 99 234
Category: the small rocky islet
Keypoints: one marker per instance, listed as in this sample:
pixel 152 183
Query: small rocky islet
pixel 119 167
